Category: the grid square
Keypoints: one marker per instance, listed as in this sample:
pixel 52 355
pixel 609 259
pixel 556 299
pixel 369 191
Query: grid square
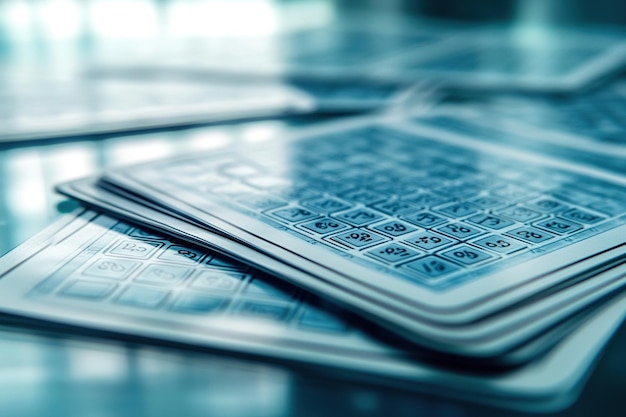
pixel 431 267
pixel 392 253
pixel 358 238
pixel 500 244
pixel 559 226
pixel 324 226
pixel 460 231
pixel 429 240
pixel 359 216
pixel 530 234
pixel 425 219
pixel 394 228
pixel 466 255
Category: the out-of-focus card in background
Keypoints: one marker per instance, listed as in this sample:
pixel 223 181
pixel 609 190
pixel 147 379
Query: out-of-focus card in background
pixel 460 56
pixel 584 130
pixel 518 59
pixel 591 121
pixel 36 106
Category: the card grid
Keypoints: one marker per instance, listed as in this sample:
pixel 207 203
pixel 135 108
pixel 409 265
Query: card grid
pixel 427 216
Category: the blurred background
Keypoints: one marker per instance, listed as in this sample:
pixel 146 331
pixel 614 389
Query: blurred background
pixel 60 32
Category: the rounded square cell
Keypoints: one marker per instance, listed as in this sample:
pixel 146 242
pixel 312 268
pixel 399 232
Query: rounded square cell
pixel 519 213
pixel 425 200
pixel 111 268
pixel 135 248
pixel 490 221
pixel 530 234
pixel 88 290
pixel 559 226
pixel 395 188
pixel 460 231
pixel 425 219
pixel 358 238
pixel 466 255
pixel 217 281
pixel 162 274
pixel 429 241
pixel 327 205
pixel 196 303
pixel 512 192
pixel 181 254
pixel 363 196
pixel 582 216
pixel 392 253
pixel 324 226
pixel 395 207
pixel 499 244
pixel 293 214
pixel 546 205
pixel 144 297
pixel 489 202
pixel 394 228
pixel 431 267
pixel 458 190
pixel 359 216
pixel 457 209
